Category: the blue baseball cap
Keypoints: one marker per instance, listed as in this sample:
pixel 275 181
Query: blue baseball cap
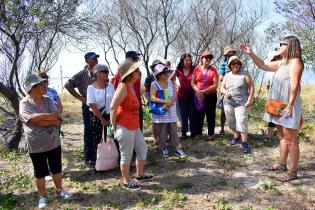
pixel 91 55
pixel 132 54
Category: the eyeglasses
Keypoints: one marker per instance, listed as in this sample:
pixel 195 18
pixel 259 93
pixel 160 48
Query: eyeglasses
pixel 105 72
pixel 283 44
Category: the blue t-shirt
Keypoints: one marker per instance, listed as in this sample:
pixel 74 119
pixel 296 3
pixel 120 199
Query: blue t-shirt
pixel 223 68
pixel 52 93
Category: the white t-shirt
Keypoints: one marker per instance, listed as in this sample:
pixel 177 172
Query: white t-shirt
pixel 97 96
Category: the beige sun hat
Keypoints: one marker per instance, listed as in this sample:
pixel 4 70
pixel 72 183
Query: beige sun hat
pixel 228 49
pixel 127 67
pixel 31 80
pixel 233 58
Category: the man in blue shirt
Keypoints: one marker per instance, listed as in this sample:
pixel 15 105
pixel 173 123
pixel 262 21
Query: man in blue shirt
pixel 223 69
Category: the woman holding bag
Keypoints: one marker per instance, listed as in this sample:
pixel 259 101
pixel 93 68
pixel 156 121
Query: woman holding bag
pixel 205 83
pixel 99 97
pixel 124 111
pixel 285 87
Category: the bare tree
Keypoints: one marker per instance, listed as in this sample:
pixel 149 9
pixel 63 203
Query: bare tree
pixel 38 27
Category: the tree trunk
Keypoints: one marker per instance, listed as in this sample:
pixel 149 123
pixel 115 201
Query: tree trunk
pixel 12 140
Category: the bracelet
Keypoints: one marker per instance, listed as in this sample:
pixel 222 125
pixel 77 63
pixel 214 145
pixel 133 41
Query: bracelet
pixel 288 105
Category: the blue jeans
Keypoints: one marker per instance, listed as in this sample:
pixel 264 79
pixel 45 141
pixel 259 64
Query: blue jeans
pixel 188 114
pixel 88 144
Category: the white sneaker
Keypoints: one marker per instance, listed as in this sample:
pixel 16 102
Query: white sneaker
pixel 42 202
pixel 63 194
pixel 180 153
pixel 48 178
pixel 165 153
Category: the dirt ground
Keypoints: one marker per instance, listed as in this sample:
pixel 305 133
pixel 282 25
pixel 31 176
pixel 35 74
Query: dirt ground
pixel 214 176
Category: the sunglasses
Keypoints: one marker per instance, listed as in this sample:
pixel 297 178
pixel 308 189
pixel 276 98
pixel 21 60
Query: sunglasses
pixel 208 57
pixel 281 44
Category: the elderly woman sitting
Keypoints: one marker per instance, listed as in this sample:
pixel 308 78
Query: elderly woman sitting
pixel 40 121
pixel 238 90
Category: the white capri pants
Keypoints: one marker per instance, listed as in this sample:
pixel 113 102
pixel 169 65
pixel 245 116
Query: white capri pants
pixel 130 140
pixel 237 117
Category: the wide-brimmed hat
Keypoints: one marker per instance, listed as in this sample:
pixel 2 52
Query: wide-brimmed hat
pixel 205 54
pixel 31 80
pixel 100 67
pixel 233 58
pixel 158 61
pixel 127 67
pixel 159 68
pixel 228 49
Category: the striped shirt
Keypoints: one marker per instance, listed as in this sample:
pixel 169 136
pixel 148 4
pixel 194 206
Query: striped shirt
pixel 80 80
pixel 170 115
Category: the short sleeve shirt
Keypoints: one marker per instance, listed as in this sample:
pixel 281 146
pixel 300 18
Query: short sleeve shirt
pixel 223 68
pixel 52 93
pixel 205 80
pixel 38 138
pixel 97 96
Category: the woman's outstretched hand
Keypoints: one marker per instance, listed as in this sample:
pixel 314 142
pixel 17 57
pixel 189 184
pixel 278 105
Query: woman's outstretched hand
pixel 245 49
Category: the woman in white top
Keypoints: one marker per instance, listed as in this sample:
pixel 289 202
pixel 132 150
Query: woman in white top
pixel 99 97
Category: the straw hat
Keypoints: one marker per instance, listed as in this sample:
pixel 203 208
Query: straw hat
pixel 233 58
pixel 228 49
pixel 127 67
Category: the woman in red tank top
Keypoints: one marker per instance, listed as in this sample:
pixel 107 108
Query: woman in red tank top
pixel 125 124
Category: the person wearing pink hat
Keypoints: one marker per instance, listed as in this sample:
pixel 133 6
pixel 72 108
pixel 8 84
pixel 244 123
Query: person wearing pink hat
pixel 205 83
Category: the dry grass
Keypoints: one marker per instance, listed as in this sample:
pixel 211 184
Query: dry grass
pixel 214 176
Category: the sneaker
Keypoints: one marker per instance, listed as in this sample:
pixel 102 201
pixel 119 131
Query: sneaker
pixel 132 186
pixel 235 141
pixel 42 202
pixel 48 178
pixel 144 177
pixel 63 194
pixel 180 153
pixel 165 153
pixel 245 147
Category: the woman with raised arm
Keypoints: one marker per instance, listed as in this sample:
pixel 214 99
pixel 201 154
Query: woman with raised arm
pixel 285 87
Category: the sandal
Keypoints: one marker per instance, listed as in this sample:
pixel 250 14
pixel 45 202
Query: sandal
pixel 277 167
pixel 288 176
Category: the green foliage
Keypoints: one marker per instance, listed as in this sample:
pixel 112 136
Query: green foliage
pixel 145 200
pixel 227 163
pixel 173 199
pixel 222 204
pixel 11 155
pixel 179 159
pixel 270 186
pixel 21 180
pixel 7 201
pixel 146 117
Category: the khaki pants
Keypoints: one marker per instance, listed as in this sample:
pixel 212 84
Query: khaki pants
pixel 165 130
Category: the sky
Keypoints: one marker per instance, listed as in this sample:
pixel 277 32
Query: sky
pixel 71 60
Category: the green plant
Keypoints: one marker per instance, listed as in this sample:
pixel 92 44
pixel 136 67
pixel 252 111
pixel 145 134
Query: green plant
pixel 269 208
pixel 227 163
pixel 17 180
pixel 173 199
pixel 7 201
pixel 270 186
pixel 183 185
pixel 145 200
pixel 11 155
pixel 222 204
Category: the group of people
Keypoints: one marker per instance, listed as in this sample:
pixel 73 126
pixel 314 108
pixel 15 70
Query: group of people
pixel 118 103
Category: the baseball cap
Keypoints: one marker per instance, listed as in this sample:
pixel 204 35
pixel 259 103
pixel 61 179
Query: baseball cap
pixel 132 54
pixel 91 55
